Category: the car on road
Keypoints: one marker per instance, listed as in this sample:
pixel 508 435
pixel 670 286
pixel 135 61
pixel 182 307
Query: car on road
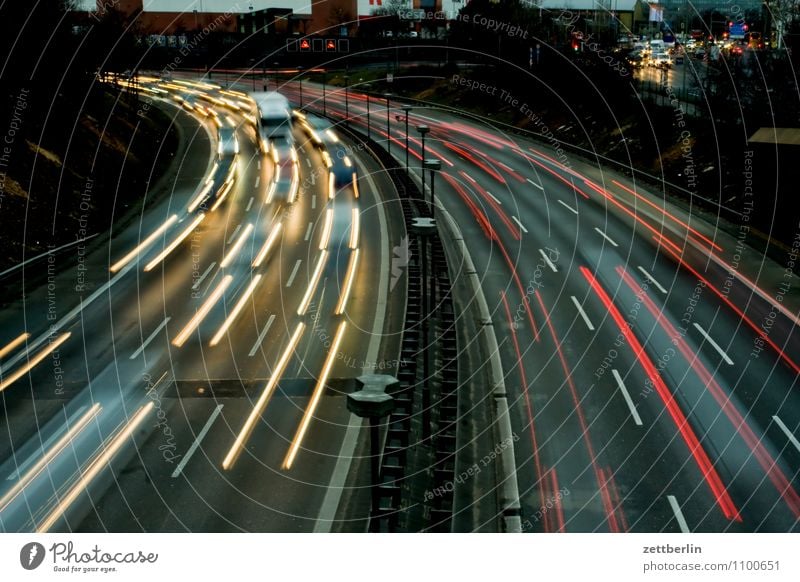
pixel 635 59
pixel 228 143
pixel 314 127
pixel 661 60
pixel 274 117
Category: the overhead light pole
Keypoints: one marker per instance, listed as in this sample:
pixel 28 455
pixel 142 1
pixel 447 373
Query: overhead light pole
pixel 422 130
pixel 374 400
pixel 425 228
pixel 433 166
pixel 406 108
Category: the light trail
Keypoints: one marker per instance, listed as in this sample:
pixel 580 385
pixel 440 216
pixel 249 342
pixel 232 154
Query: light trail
pixel 315 398
pixel 94 468
pixel 235 311
pixel 51 453
pixel 174 244
pixel 201 313
pixel 51 347
pixel 144 244
pixel 263 400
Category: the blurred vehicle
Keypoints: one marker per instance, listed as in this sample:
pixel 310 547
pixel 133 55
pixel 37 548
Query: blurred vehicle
pixel 661 60
pixel 699 53
pixel 754 40
pixel 635 59
pixel 228 143
pixel 314 127
pixel 737 49
pixel 657 46
pixel 285 184
pixel 274 116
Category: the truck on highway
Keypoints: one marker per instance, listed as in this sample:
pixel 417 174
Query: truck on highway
pixel 274 119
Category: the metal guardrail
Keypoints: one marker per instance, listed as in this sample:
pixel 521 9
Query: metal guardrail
pixel 418 460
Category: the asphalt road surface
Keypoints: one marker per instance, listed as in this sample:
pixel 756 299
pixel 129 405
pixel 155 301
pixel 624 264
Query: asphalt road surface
pixel 651 358
pixel 189 371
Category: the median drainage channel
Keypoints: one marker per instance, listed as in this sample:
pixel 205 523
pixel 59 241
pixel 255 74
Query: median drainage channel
pixel 418 458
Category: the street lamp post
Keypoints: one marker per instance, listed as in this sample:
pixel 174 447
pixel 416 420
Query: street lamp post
pixel 433 166
pixel 373 401
pixel 425 228
pixel 388 127
pixel 422 129
pixel 406 108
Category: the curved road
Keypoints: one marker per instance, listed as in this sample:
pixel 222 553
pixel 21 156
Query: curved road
pixel 651 357
pixel 194 379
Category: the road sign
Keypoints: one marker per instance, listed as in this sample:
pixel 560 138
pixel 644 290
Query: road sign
pixel 389 77
pixel 305 45
pixel 291 45
pixel 344 45
pixel 330 45
pixel 319 45
pixel 737 30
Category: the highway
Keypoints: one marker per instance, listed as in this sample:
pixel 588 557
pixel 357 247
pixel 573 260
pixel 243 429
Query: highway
pixel 650 356
pixel 188 372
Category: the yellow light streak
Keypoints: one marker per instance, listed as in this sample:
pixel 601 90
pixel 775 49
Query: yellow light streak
pixel 201 313
pixel 348 282
pixel 235 311
pixel 96 466
pixel 315 397
pixel 52 452
pixel 144 244
pixel 174 244
pixel 262 254
pixel 13 344
pixel 51 347
pixel 237 246
pixel 263 400
pixel 326 229
pixel 355 228
pixel 312 284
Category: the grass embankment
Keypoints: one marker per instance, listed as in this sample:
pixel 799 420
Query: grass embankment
pixel 67 179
